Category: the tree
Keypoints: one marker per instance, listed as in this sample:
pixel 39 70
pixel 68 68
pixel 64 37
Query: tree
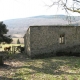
pixel 3 32
pixel 18 42
pixel 4 38
pixel 1 60
pixel 68 5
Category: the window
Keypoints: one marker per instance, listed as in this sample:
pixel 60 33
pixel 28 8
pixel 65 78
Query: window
pixel 62 39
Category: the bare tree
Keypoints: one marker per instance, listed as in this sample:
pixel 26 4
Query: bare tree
pixel 67 5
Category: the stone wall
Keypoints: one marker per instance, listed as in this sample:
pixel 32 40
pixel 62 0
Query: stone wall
pixel 45 39
pixel 27 42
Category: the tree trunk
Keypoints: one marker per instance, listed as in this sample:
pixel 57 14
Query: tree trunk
pixel 1 60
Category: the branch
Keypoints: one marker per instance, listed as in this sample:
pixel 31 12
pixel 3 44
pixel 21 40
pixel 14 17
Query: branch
pixel 64 4
pixel 73 10
pixel 77 1
pixel 55 3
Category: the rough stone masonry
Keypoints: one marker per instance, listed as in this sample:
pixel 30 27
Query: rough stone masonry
pixel 46 39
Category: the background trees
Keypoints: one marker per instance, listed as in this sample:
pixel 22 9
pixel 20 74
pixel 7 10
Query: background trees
pixel 3 32
pixel 18 42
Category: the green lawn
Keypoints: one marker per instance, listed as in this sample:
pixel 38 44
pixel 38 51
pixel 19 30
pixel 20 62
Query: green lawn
pixel 55 68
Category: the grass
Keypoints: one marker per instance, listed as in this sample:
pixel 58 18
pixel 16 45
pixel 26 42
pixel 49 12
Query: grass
pixel 55 68
pixel 7 45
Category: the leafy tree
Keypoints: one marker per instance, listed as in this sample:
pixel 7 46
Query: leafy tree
pixel 3 32
pixel 67 5
pixel 4 38
pixel 18 42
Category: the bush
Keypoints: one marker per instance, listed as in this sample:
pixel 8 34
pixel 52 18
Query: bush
pixel 43 55
pixel 67 54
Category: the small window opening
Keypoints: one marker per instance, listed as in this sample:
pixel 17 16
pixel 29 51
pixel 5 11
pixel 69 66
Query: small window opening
pixel 62 39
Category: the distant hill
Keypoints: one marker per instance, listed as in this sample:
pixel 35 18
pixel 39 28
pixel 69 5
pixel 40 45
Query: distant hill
pixel 18 27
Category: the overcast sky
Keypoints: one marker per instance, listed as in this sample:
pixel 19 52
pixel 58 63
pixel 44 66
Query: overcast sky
pixel 11 9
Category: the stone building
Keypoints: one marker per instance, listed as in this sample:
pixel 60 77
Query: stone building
pixel 47 39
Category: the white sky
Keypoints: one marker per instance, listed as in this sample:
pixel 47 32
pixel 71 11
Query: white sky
pixel 11 9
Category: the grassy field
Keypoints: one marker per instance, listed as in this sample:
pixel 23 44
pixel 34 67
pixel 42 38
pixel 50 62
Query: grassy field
pixel 7 45
pixel 56 68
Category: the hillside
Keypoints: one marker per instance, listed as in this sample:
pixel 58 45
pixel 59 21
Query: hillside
pixel 18 27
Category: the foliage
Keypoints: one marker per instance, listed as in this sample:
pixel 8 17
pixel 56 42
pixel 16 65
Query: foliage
pixel 73 6
pixel 18 41
pixel 3 32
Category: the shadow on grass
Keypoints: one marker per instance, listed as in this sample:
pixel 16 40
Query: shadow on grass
pixel 51 66
pixel 6 78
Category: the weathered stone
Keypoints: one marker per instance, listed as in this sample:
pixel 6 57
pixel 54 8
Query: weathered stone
pixel 47 39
